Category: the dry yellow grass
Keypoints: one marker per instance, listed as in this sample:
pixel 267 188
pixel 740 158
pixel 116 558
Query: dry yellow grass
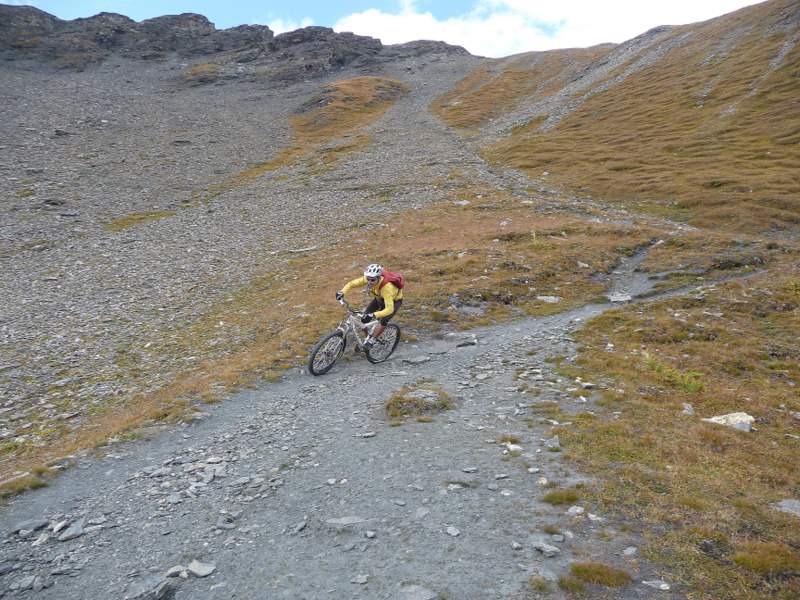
pixel 407 401
pixel 600 574
pixel 134 219
pixel 482 96
pixel 202 73
pixel 705 134
pixel 340 110
pixel 707 489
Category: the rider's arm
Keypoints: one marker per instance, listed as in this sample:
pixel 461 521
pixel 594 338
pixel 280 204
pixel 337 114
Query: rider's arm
pixel 357 282
pixel 388 294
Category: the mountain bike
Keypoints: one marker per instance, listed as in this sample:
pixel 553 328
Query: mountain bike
pixel 331 347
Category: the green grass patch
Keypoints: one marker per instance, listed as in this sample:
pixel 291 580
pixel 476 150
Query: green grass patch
pixel 600 574
pixel 562 496
pixel 134 219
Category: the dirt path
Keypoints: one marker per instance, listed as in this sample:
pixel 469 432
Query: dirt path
pixel 301 489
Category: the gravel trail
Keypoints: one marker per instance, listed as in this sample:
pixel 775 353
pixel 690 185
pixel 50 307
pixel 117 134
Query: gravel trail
pixel 302 489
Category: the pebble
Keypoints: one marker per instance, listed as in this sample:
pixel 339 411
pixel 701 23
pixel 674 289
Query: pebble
pixel 417 592
pixel 453 531
pixel 30 525
pixel 73 531
pixel 470 469
pixel 346 521
pixel 575 510
pixel 630 551
pixel 546 549
pixel 370 534
pixel 359 579
pixel 516 546
pixel 176 571
pixel 417 360
pixel 200 569
pixel 149 588
pixel 299 527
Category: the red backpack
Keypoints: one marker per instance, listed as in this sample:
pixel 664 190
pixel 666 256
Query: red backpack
pixel 393 278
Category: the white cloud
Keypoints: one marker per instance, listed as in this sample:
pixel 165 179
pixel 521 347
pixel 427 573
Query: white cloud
pixel 284 25
pixel 503 27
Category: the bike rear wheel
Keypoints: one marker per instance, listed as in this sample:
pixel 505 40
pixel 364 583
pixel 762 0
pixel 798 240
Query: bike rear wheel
pixel 384 347
pixel 325 354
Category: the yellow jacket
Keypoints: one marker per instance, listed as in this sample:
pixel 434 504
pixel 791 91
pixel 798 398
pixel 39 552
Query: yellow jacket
pixel 389 293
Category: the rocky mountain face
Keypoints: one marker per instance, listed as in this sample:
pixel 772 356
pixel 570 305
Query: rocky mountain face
pixel 29 33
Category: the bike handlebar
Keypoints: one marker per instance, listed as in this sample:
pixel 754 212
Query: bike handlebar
pixel 349 308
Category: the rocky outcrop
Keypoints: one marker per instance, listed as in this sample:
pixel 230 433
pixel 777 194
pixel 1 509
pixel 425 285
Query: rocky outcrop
pixel 29 33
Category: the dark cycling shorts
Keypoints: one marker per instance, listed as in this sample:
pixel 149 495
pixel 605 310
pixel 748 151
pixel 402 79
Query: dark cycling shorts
pixel 378 304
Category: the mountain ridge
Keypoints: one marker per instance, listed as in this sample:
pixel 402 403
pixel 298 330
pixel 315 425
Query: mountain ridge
pixel 30 33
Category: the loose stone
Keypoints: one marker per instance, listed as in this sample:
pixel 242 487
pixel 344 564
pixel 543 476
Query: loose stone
pixel 199 569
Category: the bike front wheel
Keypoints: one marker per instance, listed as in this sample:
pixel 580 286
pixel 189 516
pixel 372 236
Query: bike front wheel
pixel 325 354
pixel 383 348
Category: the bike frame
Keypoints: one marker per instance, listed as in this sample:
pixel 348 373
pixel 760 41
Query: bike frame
pixel 352 324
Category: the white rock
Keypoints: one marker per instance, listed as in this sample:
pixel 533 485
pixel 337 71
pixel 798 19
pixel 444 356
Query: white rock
pixel 789 506
pixel 657 584
pixel 546 549
pixel 549 299
pixel 345 521
pixel 688 409
pixel 575 510
pixel 737 420
pixel 630 551
pixel 619 297
pixel 553 443
pixel 359 579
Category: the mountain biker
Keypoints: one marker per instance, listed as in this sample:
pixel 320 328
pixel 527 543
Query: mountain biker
pixel 387 292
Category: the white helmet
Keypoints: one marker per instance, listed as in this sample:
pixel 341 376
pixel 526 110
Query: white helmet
pixel 373 271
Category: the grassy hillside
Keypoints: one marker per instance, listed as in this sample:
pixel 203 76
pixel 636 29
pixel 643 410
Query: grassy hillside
pixel 710 132
pixel 485 94
pixel 699 123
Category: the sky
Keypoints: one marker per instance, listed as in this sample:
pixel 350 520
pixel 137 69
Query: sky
pixel 484 27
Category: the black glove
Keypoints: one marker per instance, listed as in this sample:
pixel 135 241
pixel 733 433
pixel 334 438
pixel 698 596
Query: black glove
pixel 339 296
pixel 367 317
